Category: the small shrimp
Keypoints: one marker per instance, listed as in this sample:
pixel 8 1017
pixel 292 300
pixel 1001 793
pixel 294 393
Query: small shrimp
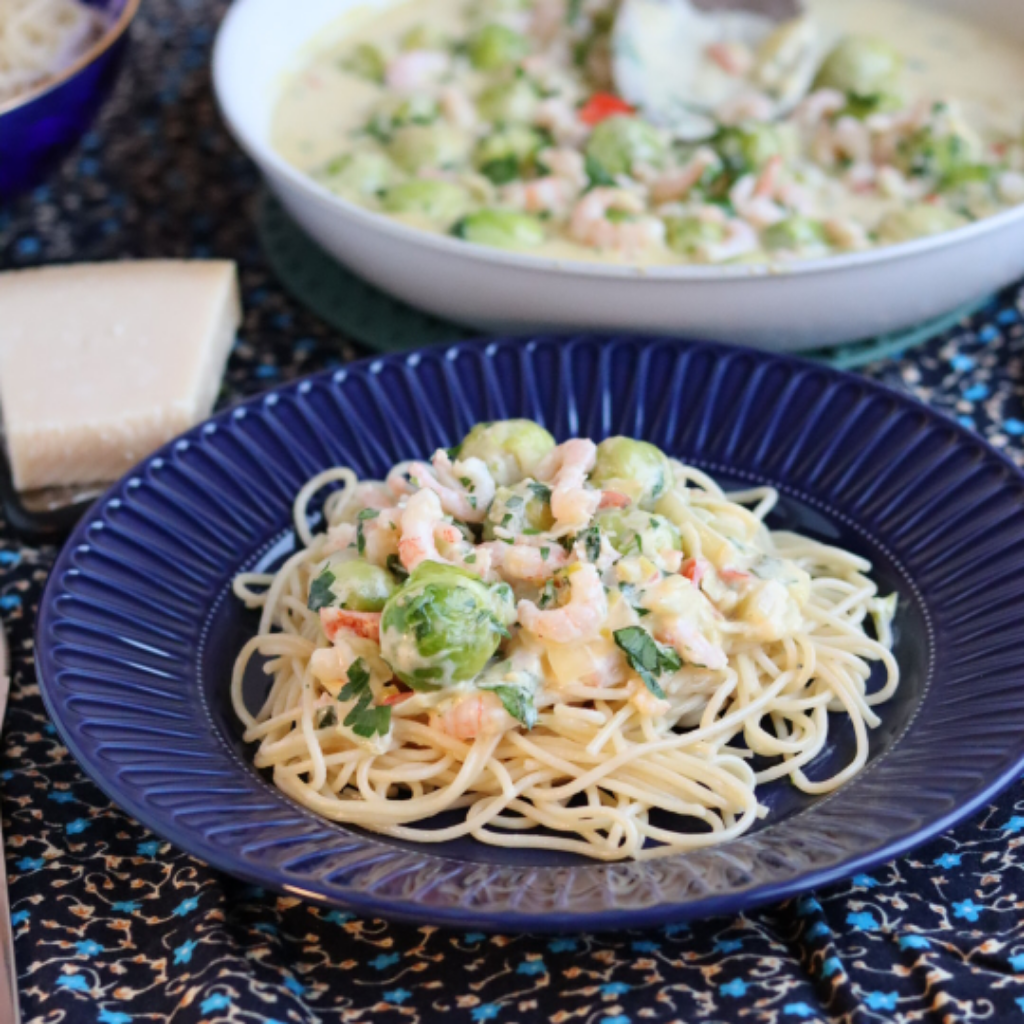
pixel 614 499
pixel 542 195
pixel 524 561
pixel 733 58
pixel 422 522
pixel 847 234
pixel 851 139
pixel 591 225
pixel 677 184
pixel 753 203
pixel 473 715
pixel 748 106
pixel 457 108
pixel 566 469
pixel 691 645
pixel 559 118
pixel 567 164
pixel 579 619
pixel 410 72
pixel 740 238
pixel 341 620
pixel 466 489
pixel 820 105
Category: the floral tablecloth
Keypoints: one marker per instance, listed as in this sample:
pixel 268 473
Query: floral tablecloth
pixel 115 926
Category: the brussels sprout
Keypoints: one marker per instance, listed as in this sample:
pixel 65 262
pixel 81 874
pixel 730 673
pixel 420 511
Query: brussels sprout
pixel 351 583
pixel 506 102
pixel 794 233
pixel 917 221
pixel 417 146
pixel 423 37
pixel 521 508
pixel 495 47
pixel 860 66
pixel 504 229
pixel 745 148
pixel 634 468
pixel 618 143
pixel 363 173
pixel 366 61
pixel 439 201
pixel 511 449
pixel 951 156
pixel 688 235
pixel 636 532
pixel 443 626
pixel 504 156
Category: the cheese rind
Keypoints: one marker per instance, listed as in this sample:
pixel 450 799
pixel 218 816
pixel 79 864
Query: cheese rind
pixel 102 363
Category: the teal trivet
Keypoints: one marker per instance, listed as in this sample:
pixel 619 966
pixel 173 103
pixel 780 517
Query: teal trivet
pixel 384 324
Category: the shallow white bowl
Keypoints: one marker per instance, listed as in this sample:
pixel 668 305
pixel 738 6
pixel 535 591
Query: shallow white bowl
pixel 812 303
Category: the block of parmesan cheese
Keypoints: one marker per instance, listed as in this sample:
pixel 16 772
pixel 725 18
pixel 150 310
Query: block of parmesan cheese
pixel 101 363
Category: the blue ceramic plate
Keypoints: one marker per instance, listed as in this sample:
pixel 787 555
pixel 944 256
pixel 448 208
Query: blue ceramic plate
pixel 138 628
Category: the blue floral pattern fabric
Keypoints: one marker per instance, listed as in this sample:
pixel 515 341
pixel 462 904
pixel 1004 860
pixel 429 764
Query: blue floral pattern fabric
pixel 114 926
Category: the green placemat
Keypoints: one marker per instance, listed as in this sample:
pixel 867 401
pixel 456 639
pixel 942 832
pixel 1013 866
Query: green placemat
pixel 384 324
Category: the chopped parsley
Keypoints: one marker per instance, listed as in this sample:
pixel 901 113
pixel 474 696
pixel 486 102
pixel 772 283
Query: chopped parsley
pixel 518 703
pixel 453 452
pixel 320 593
pixel 541 491
pixel 548 595
pixel 506 519
pixel 647 657
pixel 395 567
pixel 365 718
pixel 514 501
pixel 364 515
pixel 470 559
pixel 591 538
pixel 328 717
pixel 544 552
pixel 466 482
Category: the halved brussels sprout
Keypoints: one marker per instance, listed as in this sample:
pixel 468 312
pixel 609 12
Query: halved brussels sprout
pixel 417 146
pixel 366 61
pixel 688 235
pixel 617 144
pixel 635 468
pixel 745 148
pixel 352 583
pixel 440 201
pixel 524 507
pixel 495 47
pixel 362 173
pixel 443 626
pixel 794 233
pixel 636 532
pixel 504 229
pixel 918 221
pixel 860 66
pixel 508 102
pixel 506 155
pixel 951 156
pixel 511 449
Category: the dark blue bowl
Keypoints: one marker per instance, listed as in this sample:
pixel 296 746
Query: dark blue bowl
pixel 40 127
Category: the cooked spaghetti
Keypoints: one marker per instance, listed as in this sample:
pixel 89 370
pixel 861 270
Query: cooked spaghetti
pixel 579 647
pixel 39 39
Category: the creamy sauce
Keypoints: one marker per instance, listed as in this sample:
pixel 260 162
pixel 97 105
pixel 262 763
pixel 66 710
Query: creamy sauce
pixel 322 106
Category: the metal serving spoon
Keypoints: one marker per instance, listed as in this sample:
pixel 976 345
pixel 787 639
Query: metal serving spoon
pixel 661 66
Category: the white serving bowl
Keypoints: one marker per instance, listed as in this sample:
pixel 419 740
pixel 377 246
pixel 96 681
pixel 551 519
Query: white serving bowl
pixel 809 304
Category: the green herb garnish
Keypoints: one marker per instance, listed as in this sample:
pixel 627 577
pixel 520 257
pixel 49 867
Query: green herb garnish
pixel 365 718
pixel 647 657
pixel 320 593
pixel 518 703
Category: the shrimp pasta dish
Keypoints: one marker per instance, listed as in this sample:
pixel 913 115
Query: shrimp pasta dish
pixel 506 123
pixel 580 647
